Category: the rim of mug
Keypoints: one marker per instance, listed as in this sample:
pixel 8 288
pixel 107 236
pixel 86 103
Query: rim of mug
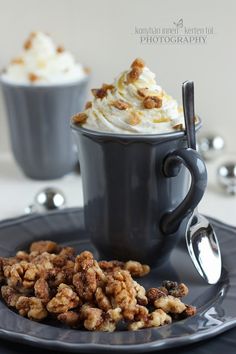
pixel 131 136
pixel 9 83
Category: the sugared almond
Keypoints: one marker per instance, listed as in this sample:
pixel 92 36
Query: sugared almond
pixel 28 42
pixel 60 49
pixel 178 126
pixel 33 77
pixel 134 74
pixel 154 294
pixel 107 87
pixel 190 311
pixel 88 104
pixel 143 92
pixel 134 119
pixel 138 62
pixel 19 61
pixel 80 118
pixel 99 93
pixel 102 92
pixel 122 105
pixel 151 102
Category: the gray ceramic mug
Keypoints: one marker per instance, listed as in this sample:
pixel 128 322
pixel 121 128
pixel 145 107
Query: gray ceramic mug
pixel 137 199
pixel 39 127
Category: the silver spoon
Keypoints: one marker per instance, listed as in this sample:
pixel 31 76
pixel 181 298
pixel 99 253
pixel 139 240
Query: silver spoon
pixel 47 199
pixel 200 236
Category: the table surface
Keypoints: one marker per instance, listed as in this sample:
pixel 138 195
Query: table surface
pixel 17 192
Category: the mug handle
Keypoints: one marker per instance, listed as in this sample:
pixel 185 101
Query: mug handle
pixel 171 221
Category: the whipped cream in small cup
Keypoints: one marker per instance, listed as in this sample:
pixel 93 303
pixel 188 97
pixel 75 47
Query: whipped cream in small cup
pixel 133 104
pixel 42 62
pixel 41 88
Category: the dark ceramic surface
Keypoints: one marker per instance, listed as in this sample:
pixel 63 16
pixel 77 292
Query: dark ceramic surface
pixel 135 187
pixel 216 304
pixel 38 118
pixel 224 343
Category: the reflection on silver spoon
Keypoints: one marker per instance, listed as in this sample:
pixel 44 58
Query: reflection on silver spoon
pixel 204 248
pixel 47 199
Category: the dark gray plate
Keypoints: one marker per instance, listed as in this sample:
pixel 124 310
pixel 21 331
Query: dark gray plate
pixel 216 304
pixel 224 343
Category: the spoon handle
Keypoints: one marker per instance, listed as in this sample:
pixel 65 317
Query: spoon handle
pixel 189 115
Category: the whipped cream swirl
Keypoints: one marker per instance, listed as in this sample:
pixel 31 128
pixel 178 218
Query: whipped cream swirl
pixel 129 105
pixel 42 62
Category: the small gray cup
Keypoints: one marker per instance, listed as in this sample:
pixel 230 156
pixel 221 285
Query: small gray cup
pixel 38 118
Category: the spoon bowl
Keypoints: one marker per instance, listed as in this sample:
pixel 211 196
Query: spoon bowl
pixel 203 248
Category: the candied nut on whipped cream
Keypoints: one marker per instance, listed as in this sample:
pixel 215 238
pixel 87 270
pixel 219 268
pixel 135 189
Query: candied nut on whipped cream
pixel 134 103
pixel 43 62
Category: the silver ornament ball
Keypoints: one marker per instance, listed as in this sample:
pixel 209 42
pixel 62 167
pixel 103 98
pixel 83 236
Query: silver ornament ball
pixel 226 175
pixel 46 200
pixel 210 146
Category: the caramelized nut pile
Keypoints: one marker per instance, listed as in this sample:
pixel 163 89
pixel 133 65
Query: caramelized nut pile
pixel 52 281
